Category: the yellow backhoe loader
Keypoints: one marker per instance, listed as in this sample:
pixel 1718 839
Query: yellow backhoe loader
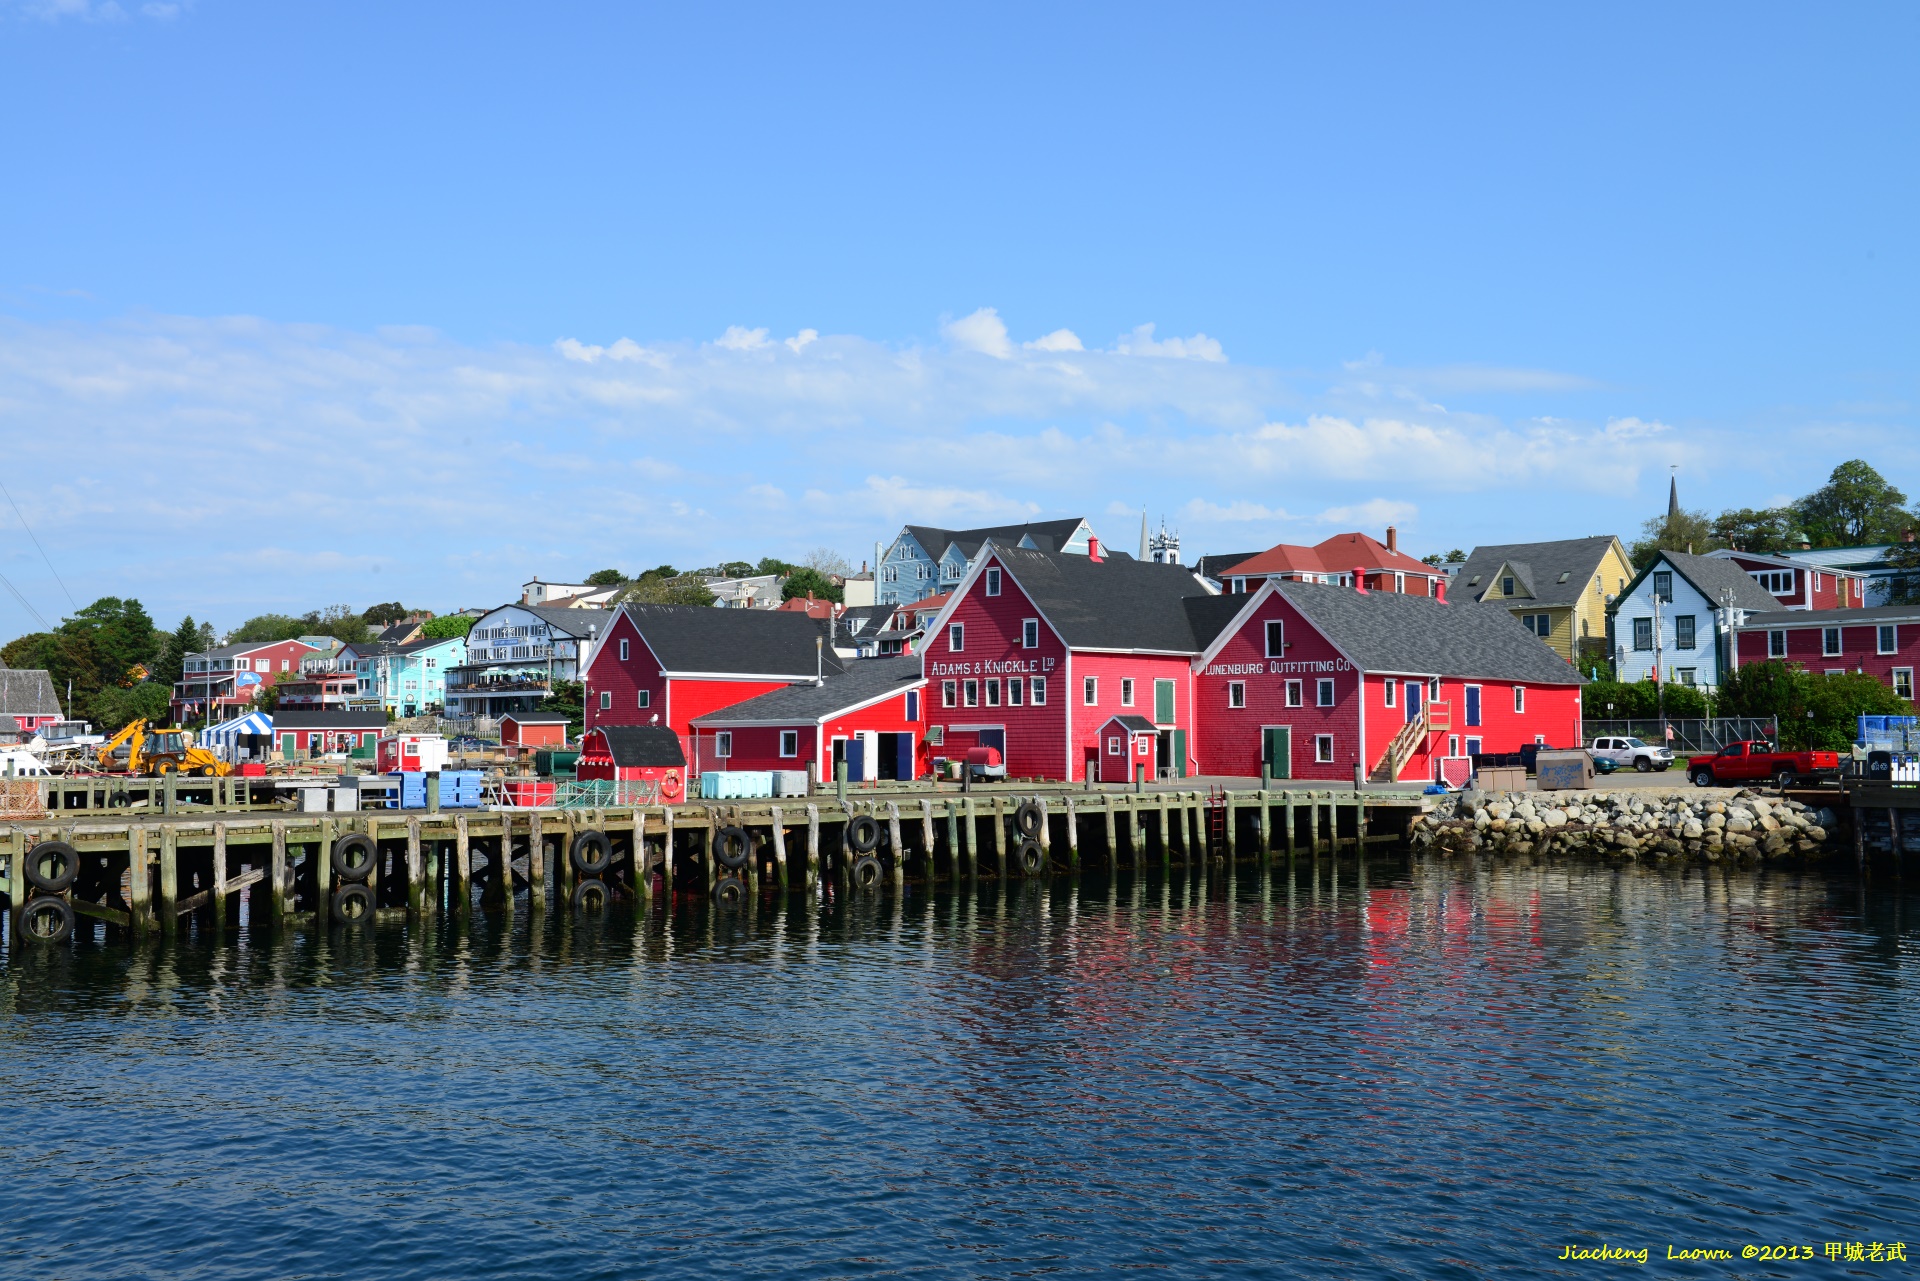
pixel 157 752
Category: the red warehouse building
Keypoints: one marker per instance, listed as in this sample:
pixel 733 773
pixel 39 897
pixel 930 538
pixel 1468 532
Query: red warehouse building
pixel 224 682
pixel 870 716
pixel 1314 680
pixel 318 732
pixel 634 754
pixel 1799 586
pixel 1035 651
pixel 1883 641
pixel 669 664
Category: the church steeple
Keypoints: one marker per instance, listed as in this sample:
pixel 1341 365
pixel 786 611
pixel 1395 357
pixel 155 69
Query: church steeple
pixel 1143 533
pixel 1673 498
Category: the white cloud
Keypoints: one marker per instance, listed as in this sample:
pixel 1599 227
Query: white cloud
pixel 983 331
pixel 738 338
pixel 1375 513
pixel 1238 512
pixel 1058 340
pixel 1141 342
pixel 802 340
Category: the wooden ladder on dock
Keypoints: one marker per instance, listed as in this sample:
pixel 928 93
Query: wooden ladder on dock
pixel 1217 835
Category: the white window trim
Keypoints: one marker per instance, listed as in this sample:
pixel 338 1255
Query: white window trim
pixel 1879 632
pixel 623 649
pixel 1030 633
pixel 1090 691
pixel 789 736
pixel 993 691
pixel 1236 694
pixel 1782 651
pixel 1126 691
pixel 970 693
pixel 723 744
pixel 1324 694
pixel 949 693
pixel 643 699
pixel 957 637
pixel 1899 672
pixel 1280 623
pixel 1839 642
pixel 606 700
pixel 993 582
pixel 1519 700
pixel 1392 687
pixel 1037 691
pixel 1323 749
pixel 1296 693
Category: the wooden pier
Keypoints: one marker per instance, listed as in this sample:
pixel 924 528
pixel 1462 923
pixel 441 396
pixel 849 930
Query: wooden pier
pixel 146 871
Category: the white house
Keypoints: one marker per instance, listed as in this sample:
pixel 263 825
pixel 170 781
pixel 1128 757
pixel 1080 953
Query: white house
pixel 515 654
pixel 1676 616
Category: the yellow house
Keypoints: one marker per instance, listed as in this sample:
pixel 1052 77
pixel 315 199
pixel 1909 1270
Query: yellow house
pixel 1559 590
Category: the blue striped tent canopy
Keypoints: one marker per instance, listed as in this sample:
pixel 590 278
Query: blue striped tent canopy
pixel 220 739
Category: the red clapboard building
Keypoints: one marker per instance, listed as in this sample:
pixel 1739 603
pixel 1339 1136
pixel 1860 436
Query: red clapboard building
pixel 869 716
pixel 1883 641
pixel 669 664
pixel 1315 679
pixel 1799 586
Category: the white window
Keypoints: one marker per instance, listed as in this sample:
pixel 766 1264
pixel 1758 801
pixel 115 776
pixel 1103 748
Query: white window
pixel 1323 749
pixel 723 744
pixel 241 665
pixel 1519 698
pixel 789 742
pixel 1323 695
pixel 1776 644
pixel 1276 638
pixel 1686 675
pixel 1030 634
pixel 1296 693
pixel 993 582
pixel 1835 671
pixel 1126 691
pixel 970 693
pixel 1090 690
pixel 1903 682
pixel 993 692
pixel 1039 691
pixel 1015 691
pixel 949 690
pixel 1400 585
pixel 1392 688
pixel 1663 585
pixel 606 700
pixel 1236 693
pixel 643 699
pixel 1113 745
pixel 1885 638
pixel 623 650
pixel 1829 642
pixel 284 663
pixel 956 637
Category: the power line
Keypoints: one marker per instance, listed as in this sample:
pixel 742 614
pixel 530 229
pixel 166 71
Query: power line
pixel 25 603
pixel 43 551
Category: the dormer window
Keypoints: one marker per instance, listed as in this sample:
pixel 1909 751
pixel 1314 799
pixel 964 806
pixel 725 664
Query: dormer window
pixel 1663 585
pixel 1474 581
pixel 1564 576
pixel 1506 586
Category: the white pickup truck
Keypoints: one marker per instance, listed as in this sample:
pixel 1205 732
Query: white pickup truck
pixel 1623 752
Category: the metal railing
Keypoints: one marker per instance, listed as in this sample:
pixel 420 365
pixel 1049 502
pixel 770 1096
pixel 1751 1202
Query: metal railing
pixel 1696 735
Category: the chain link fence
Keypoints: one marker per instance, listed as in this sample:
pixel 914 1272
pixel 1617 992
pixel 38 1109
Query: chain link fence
pixel 1698 735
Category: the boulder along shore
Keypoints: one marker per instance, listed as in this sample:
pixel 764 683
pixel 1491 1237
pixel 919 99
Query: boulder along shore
pixel 1637 824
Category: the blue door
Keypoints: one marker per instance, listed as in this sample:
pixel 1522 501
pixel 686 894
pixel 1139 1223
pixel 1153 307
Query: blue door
pixel 1473 704
pixel 1410 692
pixel 903 756
pixel 856 759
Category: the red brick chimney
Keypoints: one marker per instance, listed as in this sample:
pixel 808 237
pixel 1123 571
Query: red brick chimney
pixel 1393 539
pixel 1360 580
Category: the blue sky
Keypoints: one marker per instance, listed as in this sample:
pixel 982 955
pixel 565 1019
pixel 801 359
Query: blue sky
pixel 303 304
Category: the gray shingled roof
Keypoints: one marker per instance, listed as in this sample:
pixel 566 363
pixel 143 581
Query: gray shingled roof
pixel 1219 564
pixel 573 622
pixel 1113 603
pixel 1539 565
pixel 328 718
pixel 1392 632
pixel 1047 534
pixel 640 746
pixel 756 642
pixel 1711 575
pixel 1870 615
pixel 863 681
pixel 1138 724
pixel 27 692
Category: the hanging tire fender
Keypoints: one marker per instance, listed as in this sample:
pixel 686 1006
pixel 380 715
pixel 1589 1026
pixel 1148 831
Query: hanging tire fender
pixel 592 853
pixel 344 851
pixel 58 881
pixel 352 903
pixel 47 908
pixel 731 847
pixel 863 834
pixel 867 871
pixel 1028 818
pixel 1030 858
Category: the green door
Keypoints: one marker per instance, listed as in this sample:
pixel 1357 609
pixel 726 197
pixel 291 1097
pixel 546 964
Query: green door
pixel 1179 753
pixel 1277 750
pixel 1163 702
pixel 287 744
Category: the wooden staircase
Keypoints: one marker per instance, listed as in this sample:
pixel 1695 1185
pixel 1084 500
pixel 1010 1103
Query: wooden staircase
pixel 1411 738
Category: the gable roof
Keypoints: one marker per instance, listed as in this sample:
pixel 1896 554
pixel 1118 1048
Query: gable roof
pixel 1870 615
pixel 1114 603
pixel 733 642
pixel 398 634
pixel 1710 575
pixel 863 681
pixel 27 692
pixel 1137 724
pixel 1540 565
pixel 329 718
pixel 1339 554
pixel 1395 632
pixel 574 621
pixel 247 647
pixel 1048 535
pixel 640 746
pixel 1219 564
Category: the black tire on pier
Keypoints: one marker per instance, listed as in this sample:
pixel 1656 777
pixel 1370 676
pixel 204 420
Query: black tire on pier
pixel 46 919
pixel 353 857
pixel 1030 858
pixel 590 895
pixel 730 892
pixel 66 865
pixel 866 872
pixel 592 853
pixel 1027 819
pixel 352 904
pixel 118 800
pixel 1703 778
pixel 731 847
pixel 863 834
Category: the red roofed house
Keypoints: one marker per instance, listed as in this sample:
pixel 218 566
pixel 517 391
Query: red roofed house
pixel 229 677
pixel 1335 560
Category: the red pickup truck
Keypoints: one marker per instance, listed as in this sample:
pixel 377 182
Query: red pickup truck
pixel 1756 761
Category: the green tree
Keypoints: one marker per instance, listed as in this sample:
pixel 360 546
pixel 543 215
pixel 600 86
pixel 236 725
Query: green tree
pixel 1685 531
pixel 568 699
pixel 169 665
pixel 1855 507
pixel 653 588
pixel 804 581
pixel 1751 529
pixel 735 569
pixel 1837 703
pixel 385 615
pixel 606 578
pixel 772 565
pixel 268 627
pixel 447 626
pixel 336 621
pixel 114 708
pixel 1903 588
pixel 94 650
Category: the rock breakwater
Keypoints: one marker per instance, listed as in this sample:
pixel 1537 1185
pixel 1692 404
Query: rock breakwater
pixel 1635 824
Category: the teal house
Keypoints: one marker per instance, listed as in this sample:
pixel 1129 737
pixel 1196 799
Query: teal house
pixel 409 679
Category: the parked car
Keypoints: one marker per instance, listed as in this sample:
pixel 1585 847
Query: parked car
pixel 1644 757
pixel 1755 761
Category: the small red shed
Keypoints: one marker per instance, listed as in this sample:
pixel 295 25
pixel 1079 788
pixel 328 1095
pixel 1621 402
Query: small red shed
pixel 524 731
pixel 634 753
pixel 1126 742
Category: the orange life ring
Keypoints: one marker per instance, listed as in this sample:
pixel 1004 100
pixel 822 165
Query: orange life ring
pixel 670 784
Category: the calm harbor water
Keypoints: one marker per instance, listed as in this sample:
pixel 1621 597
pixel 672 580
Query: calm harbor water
pixel 1446 1071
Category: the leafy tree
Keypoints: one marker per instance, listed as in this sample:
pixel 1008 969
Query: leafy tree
pixel 828 562
pixel 169 665
pixel 385 615
pixel 1682 532
pixel 336 621
pixel 1903 588
pixel 266 698
pixel 606 578
pixel 568 699
pixel 447 626
pixel 773 565
pixel 684 589
pixel 735 569
pixel 662 571
pixel 95 650
pixel 1618 700
pixel 1837 703
pixel 1433 558
pixel 1856 506
pixel 113 708
pixel 808 581
pixel 1456 557
pixel 1750 529
pixel 268 627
